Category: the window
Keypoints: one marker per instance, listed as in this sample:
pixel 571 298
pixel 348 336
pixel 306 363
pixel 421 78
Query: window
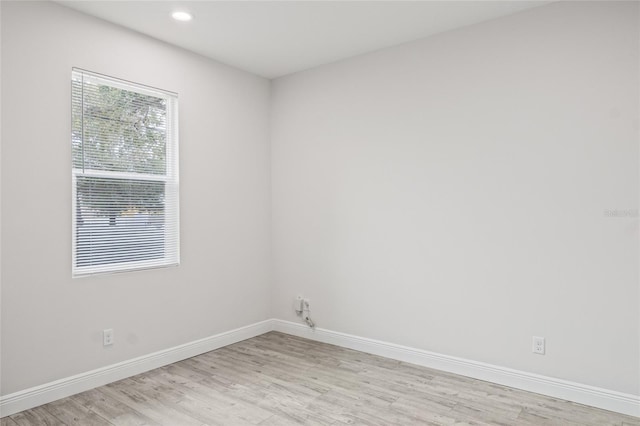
pixel 124 141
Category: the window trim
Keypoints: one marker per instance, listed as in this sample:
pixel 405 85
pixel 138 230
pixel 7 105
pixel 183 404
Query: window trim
pixel 171 177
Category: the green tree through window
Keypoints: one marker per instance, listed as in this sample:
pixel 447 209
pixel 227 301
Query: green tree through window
pixel 125 175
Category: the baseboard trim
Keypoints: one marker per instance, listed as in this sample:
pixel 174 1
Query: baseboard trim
pixel 48 392
pixel 583 394
pixel 557 388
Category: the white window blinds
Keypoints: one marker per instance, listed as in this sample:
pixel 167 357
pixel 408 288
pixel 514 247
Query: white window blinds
pixel 124 174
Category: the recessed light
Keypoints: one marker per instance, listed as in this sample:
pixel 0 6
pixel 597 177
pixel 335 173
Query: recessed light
pixel 182 16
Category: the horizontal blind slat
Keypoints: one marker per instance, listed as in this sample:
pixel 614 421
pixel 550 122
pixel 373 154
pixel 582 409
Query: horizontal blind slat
pixel 124 145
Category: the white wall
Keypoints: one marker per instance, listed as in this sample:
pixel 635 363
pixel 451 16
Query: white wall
pixel 52 324
pixel 450 194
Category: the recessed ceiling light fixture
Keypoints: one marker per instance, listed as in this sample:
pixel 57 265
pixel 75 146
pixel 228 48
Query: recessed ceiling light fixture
pixel 182 16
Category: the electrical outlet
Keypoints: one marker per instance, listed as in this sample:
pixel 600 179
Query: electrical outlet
pixel 306 305
pixel 538 345
pixel 107 337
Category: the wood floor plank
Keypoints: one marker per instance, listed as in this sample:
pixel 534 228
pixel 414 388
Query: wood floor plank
pixel 278 379
pixel 36 416
pixel 221 402
pixel 72 413
pixel 111 409
pixel 162 411
pixel 276 420
pixel 7 421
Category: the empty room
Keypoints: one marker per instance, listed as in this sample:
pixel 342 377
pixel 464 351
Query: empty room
pixel 320 213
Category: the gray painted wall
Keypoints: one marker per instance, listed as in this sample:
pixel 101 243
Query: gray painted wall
pixel 52 324
pixel 452 194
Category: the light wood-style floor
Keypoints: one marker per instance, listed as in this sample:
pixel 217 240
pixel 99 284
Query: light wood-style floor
pixel 277 379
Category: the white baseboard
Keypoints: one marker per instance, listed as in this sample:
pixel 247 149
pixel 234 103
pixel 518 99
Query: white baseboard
pixel 583 394
pixel 557 388
pixel 43 394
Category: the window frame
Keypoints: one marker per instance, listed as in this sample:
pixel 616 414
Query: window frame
pixel 171 177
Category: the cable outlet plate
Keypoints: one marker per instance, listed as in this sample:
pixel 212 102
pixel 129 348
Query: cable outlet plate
pixel 298 305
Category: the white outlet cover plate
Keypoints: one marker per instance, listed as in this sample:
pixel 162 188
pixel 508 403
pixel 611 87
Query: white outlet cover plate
pixel 107 337
pixel 538 345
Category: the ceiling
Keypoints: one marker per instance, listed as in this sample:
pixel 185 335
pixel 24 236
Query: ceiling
pixel 275 38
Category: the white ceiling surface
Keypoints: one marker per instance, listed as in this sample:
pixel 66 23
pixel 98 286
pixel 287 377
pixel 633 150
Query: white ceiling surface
pixel 275 38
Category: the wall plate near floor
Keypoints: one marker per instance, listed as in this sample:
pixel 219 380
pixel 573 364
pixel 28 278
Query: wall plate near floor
pixel 538 345
pixel 107 337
